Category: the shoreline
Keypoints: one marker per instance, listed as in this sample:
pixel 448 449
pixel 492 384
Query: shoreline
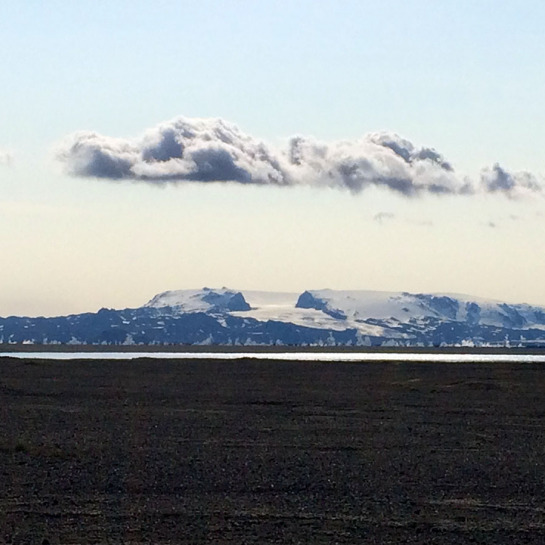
pixel 5 349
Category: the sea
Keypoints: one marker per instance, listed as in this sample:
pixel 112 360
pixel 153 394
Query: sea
pixel 348 357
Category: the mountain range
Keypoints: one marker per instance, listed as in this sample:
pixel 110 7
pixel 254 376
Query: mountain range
pixel 312 318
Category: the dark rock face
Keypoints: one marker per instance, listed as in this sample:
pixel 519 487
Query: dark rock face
pixel 307 300
pixel 440 305
pixel 226 301
pixel 539 316
pixel 473 313
pixel 512 317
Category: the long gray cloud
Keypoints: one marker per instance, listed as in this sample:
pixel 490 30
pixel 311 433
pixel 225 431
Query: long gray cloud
pixel 213 150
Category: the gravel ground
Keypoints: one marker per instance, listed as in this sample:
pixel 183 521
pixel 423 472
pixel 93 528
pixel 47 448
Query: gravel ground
pixel 261 452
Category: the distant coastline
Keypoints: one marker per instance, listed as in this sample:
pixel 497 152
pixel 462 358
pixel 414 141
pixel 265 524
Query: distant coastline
pixel 63 348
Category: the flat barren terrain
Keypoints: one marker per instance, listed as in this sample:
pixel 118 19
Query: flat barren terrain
pixel 266 452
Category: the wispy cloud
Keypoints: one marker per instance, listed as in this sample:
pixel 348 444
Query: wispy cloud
pixel 214 150
pixel 382 217
pixel 421 223
pixel 6 157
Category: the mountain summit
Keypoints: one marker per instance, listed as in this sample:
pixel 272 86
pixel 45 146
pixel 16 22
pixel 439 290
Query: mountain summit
pixel 205 300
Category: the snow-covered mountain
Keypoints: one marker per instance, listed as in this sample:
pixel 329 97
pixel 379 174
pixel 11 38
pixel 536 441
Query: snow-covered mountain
pixel 205 300
pixel 318 317
pixel 360 306
pixel 356 309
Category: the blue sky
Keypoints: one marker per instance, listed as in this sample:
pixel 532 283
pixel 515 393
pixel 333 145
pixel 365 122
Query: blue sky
pixel 463 78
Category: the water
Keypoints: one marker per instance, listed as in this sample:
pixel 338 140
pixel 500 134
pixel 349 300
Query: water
pixel 289 356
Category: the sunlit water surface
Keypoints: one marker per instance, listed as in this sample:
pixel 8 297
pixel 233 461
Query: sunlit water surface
pixel 288 356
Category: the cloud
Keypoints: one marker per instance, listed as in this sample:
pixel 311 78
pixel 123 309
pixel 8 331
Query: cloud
pixel 6 158
pixel 190 150
pixel 421 223
pixel 214 150
pixel 497 180
pixel 381 217
pixel 378 159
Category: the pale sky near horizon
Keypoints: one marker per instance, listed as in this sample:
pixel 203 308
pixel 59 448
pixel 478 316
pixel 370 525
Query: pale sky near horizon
pixel 465 78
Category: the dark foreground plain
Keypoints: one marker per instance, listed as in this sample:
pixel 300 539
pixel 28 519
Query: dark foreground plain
pixel 241 452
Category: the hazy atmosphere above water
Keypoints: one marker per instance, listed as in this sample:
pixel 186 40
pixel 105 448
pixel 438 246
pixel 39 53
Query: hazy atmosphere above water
pixel 147 146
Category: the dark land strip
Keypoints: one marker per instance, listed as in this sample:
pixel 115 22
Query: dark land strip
pixel 153 451
pixel 6 348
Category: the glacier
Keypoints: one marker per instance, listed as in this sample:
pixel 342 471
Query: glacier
pixel 322 317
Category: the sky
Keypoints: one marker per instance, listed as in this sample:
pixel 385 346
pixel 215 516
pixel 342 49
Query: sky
pixel 149 146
